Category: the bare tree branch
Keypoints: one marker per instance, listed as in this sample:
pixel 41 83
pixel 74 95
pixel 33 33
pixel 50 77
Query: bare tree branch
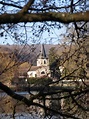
pixel 79 105
pixel 30 102
pixel 26 7
pixel 48 16
pixel 57 112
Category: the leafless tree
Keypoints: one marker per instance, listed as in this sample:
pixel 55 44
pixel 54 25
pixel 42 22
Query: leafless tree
pixel 26 21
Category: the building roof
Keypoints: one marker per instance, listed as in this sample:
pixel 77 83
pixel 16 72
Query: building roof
pixel 34 68
pixel 42 52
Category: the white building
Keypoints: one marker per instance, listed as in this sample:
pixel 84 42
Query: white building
pixel 42 68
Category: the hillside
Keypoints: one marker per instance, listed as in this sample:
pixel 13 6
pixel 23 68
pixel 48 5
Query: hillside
pixel 28 53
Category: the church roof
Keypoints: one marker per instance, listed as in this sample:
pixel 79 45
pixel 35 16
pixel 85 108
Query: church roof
pixel 34 68
pixel 42 52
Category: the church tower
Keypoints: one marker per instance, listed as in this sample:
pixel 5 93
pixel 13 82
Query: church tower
pixel 42 60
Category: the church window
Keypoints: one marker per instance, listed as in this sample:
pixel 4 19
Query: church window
pixel 44 62
pixel 42 72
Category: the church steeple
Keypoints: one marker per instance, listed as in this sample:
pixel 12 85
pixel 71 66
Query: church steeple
pixel 42 59
pixel 42 53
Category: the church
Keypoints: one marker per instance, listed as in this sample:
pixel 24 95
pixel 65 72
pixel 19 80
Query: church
pixel 42 68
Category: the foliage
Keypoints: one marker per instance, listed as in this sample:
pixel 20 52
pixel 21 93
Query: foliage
pixel 52 55
pixel 39 81
pixel 7 67
pixel 74 62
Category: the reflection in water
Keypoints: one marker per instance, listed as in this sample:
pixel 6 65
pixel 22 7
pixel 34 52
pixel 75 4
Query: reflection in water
pixel 19 116
pixel 13 109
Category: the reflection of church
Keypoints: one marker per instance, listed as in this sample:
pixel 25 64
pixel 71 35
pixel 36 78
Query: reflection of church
pixel 42 68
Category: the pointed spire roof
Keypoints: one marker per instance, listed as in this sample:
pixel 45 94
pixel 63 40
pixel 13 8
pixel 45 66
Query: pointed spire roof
pixel 42 53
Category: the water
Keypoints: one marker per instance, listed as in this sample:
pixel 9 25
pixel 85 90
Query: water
pixel 25 116
pixel 19 116
pixel 7 106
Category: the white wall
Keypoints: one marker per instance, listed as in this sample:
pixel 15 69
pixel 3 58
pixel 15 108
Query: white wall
pixel 38 72
pixel 42 62
pixel 31 74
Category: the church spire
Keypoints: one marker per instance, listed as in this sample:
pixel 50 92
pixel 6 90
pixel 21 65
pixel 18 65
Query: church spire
pixel 42 60
pixel 43 53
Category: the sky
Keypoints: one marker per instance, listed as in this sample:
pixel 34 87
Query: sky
pixel 52 37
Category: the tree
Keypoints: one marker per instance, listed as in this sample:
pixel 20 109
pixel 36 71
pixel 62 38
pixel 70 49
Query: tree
pixel 8 67
pixel 15 15
pixel 52 55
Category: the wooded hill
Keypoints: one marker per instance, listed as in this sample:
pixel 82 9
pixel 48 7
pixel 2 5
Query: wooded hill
pixel 28 53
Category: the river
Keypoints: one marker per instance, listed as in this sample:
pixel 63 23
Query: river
pixel 13 109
